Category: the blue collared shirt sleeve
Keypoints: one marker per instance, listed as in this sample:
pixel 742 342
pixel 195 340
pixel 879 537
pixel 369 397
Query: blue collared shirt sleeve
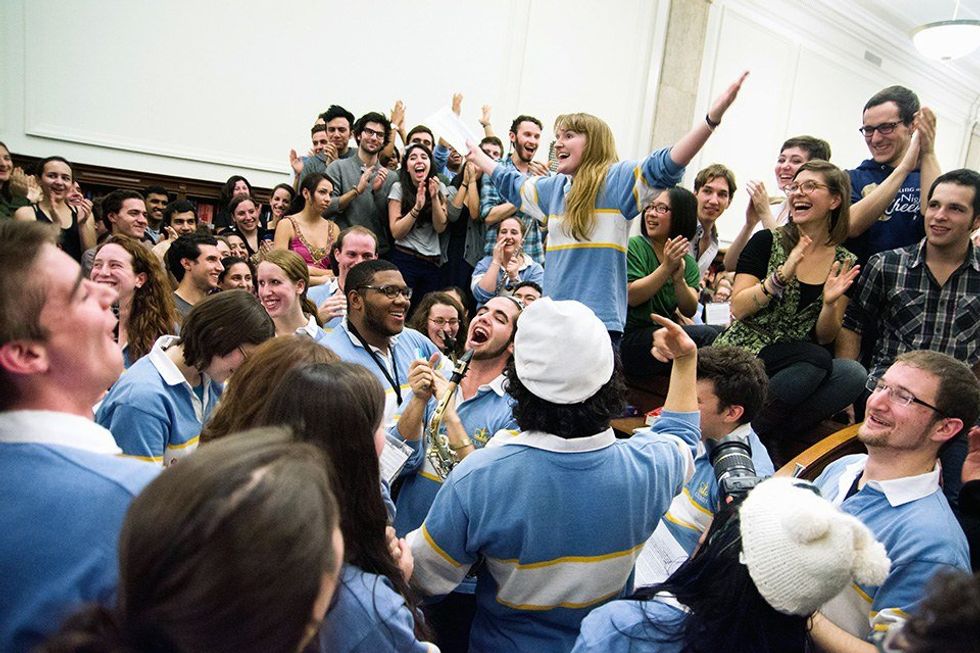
pixel 529 194
pixel 440 157
pixel 479 294
pixel 138 433
pixel 633 184
pixel 440 546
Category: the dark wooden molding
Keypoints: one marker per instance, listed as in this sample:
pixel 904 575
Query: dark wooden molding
pixel 99 180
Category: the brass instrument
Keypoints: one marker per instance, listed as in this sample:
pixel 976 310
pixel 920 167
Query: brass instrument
pixel 443 459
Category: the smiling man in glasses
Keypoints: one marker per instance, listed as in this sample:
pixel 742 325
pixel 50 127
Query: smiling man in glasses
pixel 921 402
pixel 887 190
pixel 374 333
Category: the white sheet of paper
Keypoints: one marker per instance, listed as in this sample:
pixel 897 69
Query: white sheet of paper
pixel 448 126
pixel 718 313
pixel 393 457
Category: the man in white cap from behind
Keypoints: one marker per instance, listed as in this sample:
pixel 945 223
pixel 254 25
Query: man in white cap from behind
pixel 558 513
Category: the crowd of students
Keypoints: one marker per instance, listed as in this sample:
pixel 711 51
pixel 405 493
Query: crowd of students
pixel 375 414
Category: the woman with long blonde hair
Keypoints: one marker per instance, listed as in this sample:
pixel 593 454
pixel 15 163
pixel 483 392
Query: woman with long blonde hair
pixel 589 204
pixel 145 304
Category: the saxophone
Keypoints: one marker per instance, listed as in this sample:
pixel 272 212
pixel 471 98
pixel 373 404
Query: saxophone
pixel 443 458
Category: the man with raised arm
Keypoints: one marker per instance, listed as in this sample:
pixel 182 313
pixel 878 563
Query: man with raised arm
pixel 888 190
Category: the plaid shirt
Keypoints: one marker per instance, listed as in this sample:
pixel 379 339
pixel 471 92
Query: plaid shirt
pixel 533 238
pixel 912 311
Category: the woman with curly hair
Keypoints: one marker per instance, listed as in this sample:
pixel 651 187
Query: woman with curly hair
pixel 145 304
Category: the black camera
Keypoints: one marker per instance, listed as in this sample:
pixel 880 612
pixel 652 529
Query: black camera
pixel 731 459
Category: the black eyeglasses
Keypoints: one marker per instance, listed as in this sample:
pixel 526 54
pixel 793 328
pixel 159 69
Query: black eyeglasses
pixel 392 291
pixel 372 132
pixel 884 128
pixel 897 396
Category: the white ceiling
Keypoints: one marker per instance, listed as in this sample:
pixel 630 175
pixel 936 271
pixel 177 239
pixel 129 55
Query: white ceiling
pixel 906 15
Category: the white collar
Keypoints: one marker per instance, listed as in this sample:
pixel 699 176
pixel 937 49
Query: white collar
pixel 898 491
pixel 549 442
pixel 311 328
pixel 497 385
pixel 51 427
pixel 168 370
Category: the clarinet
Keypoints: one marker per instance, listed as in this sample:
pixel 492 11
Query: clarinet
pixel 443 458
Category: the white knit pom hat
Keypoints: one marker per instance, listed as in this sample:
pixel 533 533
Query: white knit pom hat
pixel 562 351
pixel 800 550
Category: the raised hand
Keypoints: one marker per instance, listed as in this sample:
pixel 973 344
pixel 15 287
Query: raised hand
pixel 925 125
pixel 839 280
pixel 803 247
pixel 671 342
pixel 910 160
pixel 330 152
pixel 758 206
pixel 398 115
pixel 421 377
pixel 538 169
pixel 457 103
pixel 379 178
pixel 485 115
pixel 365 179
pixel 420 196
pixel 674 251
pixel 295 162
pixel 332 307
pixel 513 267
pixel 498 255
pixel 84 207
pixel 433 188
pixel 725 100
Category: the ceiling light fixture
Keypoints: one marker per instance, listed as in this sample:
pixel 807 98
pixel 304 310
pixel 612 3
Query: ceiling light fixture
pixel 947 39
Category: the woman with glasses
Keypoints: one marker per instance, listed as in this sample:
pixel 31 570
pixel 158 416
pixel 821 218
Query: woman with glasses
pixel 441 317
pixel 156 409
pixel 662 278
pixel 788 304
pixel 508 266
pixel 282 280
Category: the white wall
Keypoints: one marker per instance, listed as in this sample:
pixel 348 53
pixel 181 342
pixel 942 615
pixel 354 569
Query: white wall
pixel 809 75
pixel 213 88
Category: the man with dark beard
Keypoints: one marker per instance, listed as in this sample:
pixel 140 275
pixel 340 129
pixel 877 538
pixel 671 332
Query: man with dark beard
pixel 480 409
pixel 525 136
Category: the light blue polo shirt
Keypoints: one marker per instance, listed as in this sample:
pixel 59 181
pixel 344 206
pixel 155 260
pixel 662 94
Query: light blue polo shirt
pixel 65 492
pixel 912 518
pixel 368 616
pixel 152 412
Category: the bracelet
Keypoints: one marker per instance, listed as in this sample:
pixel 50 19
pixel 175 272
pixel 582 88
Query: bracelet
pixel 356 190
pixel 465 442
pixel 711 123
pixel 765 291
pixel 778 286
pixel 413 213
